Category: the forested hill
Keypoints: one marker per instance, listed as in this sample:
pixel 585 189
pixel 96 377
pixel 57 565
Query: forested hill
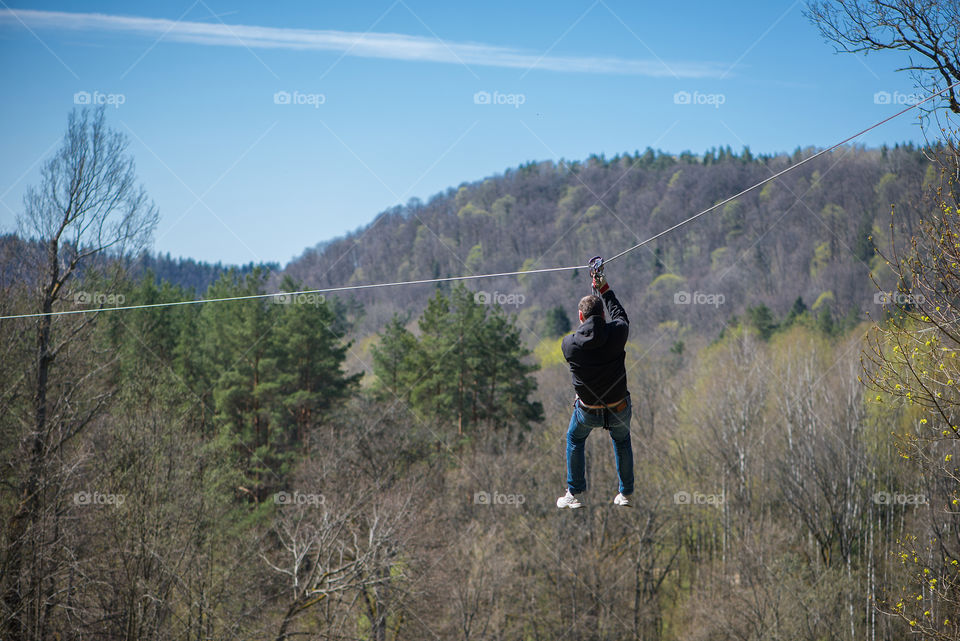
pixel 189 273
pixel 807 234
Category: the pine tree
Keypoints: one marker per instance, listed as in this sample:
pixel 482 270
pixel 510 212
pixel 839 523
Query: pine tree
pixel 397 362
pixel 825 322
pixel 555 322
pixel 243 349
pixel 145 341
pixel 466 368
pixel 798 309
pixel 763 320
pixel 312 353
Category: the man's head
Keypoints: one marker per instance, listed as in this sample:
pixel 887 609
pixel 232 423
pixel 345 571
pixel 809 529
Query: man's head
pixel 590 306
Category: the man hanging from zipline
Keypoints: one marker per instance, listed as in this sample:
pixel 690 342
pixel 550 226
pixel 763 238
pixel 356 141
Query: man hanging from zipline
pixel 595 352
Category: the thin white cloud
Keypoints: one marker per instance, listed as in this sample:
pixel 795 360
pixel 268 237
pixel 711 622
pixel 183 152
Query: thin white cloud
pixel 366 45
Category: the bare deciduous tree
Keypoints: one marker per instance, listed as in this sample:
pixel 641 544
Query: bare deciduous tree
pixel 927 30
pixel 87 212
pixel 321 554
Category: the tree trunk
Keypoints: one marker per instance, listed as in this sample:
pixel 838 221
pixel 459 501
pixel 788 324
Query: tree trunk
pixel 15 626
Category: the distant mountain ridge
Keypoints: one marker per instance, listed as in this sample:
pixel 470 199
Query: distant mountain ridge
pixel 186 272
pixel 190 273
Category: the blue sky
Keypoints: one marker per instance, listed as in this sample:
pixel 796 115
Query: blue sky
pixel 260 129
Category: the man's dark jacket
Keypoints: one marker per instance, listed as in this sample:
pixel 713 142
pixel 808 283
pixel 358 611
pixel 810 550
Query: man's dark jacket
pixel 596 357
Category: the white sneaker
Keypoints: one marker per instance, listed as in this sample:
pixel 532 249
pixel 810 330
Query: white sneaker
pixel 568 500
pixel 622 500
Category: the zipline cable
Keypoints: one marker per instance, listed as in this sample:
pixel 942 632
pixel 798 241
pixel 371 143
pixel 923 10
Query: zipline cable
pixel 327 290
pixel 330 290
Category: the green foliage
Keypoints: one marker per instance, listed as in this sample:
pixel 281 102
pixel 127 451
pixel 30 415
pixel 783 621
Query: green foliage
pixel 832 214
pixel 658 266
pixel 719 257
pixel 762 320
pixel 674 179
pixel 502 208
pixel 555 322
pixel 865 250
pixel 886 189
pixel 666 285
pixel 398 361
pixel 475 258
pixel 261 375
pixel 549 353
pixel 469 212
pixel 821 258
pixel 311 352
pixel 825 322
pixel 570 204
pixel 145 341
pixel 733 220
pixel 466 368
pixel 528 264
pixel 594 214
pixel 797 310
pixel 767 192
pixel 462 197
pixel 931 178
pixel 825 298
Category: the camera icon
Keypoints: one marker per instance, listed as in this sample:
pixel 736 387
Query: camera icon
pixel 682 298
pixel 282 498
pixel 482 298
pixel 682 498
pixel 81 98
pixel 82 298
pixel 281 98
pixel 882 98
pixel 282 299
pixel 481 498
pixel 481 98
pixel 882 298
pixel 82 498
pixel 681 98
pixel 882 498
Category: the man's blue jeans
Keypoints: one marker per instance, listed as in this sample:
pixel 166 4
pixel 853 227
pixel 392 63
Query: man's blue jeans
pixel 581 423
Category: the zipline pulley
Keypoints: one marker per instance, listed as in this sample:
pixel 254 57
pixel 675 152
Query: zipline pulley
pixel 596 267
